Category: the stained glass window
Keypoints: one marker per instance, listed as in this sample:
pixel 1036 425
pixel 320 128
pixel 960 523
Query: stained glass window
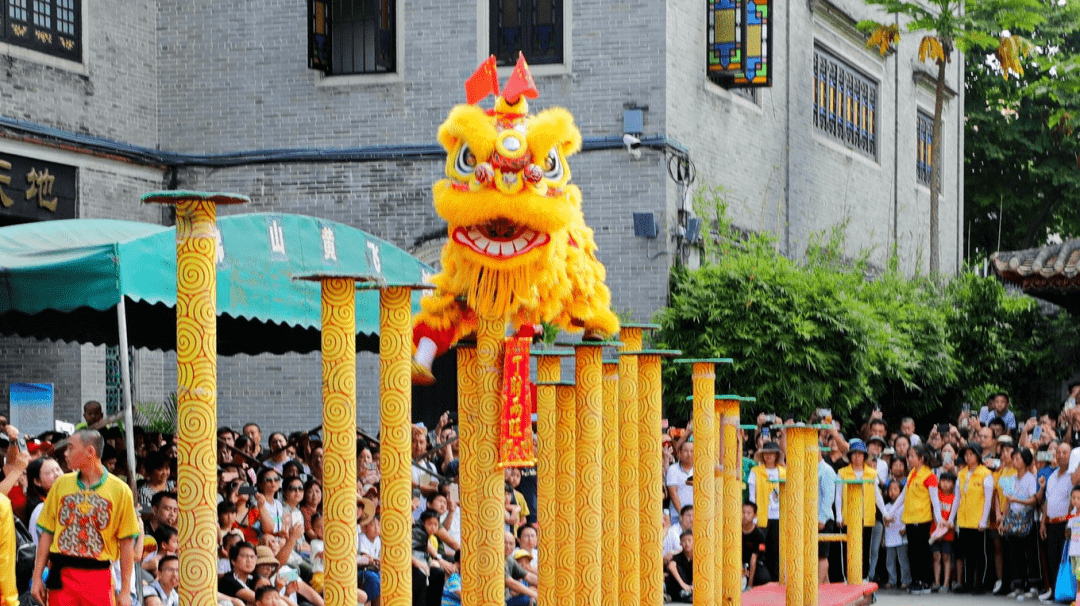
pixel 724 38
pixel 757 45
pixel 845 103
pixel 925 147
pixel 49 26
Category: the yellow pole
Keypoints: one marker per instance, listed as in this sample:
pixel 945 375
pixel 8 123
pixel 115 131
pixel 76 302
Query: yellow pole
pixel 609 540
pixel 706 457
pixel 629 521
pixel 855 529
pixel 468 411
pixel 811 454
pixel 651 481
pixel 565 532
pixel 731 510
pixel 548 371
pixel 792 512
pixel 587 371
pixel 196 390
pixel 478 469
pixel 339 430
pixel 395 413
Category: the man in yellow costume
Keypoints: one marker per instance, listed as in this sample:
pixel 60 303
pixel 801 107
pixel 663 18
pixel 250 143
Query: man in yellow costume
pixel 88 522
pixel 518 245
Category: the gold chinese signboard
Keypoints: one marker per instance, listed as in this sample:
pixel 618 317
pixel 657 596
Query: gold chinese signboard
pixel 35 190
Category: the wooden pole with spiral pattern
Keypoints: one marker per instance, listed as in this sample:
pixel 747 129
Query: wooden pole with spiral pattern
pixel 629 447
pixel 565 531
pixel 196 389
pixel 811 453
pixel 651 480
pixel 609 539
pixel 468 408
pixel 792 511
pixel 482 581
pixel 339 438
pixel 706 457
pixel 548 373
pixel 731 500
pixel 588 451
pixel 395 413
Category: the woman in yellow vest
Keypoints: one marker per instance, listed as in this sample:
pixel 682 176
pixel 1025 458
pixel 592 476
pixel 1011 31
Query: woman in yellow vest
pixel 871 497
pixel 974 490
pixel 764 485
pixel 920 507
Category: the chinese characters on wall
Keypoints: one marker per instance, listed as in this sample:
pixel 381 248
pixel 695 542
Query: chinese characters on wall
pixel 36 190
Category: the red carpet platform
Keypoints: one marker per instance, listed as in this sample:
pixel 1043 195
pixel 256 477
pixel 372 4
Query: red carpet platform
pixel 834 594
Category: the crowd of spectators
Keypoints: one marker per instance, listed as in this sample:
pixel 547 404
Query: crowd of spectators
pixel 269 513
pixel 984 503
pixel 981 503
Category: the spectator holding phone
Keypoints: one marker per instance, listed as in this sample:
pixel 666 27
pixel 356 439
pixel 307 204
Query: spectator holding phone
pixel 997 406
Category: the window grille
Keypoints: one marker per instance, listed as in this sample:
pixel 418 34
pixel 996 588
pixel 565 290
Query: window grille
pixel 53 27
pixel 534 27
pixel 845 103
pixel 352 36
pixel 925 147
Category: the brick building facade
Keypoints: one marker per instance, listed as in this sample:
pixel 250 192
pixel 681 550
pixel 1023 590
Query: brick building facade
pixel 217 96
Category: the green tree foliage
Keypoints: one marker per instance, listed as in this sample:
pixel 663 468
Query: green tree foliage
pixel 948 24
pixel 837 333
pixel 1021 153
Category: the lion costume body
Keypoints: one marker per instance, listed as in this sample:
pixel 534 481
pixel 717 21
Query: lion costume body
pixel 518 245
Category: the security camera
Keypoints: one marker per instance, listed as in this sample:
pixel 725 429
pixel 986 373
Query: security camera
pixel 633 145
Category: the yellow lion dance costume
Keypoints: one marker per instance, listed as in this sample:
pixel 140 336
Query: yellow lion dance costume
pixel 518 245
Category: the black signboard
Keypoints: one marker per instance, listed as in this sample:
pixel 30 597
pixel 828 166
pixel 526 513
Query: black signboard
pixel 36 190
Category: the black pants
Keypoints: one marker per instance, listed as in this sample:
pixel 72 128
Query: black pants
pixel 1022 554
pixel 1055 543
pixel 971 548
pixel 427 589
pixel 922 562
pixel 761 575
pixel 772 548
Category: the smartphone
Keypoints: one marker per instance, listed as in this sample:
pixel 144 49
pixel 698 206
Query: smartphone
pixel 946 458
pixel 967 407
pixel 1044 455
pixel 1036 433
pixel 765 433
pixel 21 441
pixel 1034 413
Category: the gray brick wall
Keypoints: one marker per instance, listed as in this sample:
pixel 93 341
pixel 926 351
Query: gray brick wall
pixel 200 77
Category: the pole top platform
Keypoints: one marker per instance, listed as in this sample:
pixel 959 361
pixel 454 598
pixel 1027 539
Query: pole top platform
pixel 735 397
pixel 363 281
pixel 664 353
pixel 540 353
pixel 641 325
pixel 175 196
pixel 609 361
pixel 555 384
pixel 703 360
pixel 588 344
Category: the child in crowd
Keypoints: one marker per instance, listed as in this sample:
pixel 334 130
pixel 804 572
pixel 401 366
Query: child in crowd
pixel 681 567
pixel 942 538
pixel 753 546
pixel 895 541
pixel 1074 534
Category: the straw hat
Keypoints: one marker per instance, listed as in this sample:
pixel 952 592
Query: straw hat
pixel 365 510
pixel 265 555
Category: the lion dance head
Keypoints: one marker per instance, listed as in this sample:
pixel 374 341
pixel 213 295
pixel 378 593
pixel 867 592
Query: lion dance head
pixel 518 247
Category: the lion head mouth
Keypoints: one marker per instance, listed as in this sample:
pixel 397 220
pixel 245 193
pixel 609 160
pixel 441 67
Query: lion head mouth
pixel 500 238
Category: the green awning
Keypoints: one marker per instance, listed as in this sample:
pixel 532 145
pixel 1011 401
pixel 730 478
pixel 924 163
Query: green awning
pixel 59 279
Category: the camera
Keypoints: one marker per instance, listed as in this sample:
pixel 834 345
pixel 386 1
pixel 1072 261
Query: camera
pixel 246 489
pixel 943 429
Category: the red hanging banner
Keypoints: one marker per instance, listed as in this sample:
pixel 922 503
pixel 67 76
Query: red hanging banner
pixel 515 443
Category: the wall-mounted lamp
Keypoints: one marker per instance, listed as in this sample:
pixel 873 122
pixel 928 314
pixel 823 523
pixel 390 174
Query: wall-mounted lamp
pixel 645 226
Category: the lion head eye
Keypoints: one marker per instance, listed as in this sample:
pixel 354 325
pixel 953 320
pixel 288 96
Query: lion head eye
pixel 553 166
pixel 466 161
